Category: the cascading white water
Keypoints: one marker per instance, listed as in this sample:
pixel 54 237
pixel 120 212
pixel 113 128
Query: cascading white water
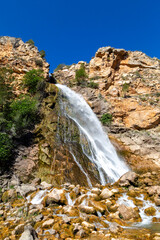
pixel 99 149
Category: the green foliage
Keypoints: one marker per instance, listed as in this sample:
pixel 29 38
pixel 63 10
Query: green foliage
pixel 81 76
pixel 17 115
pixel 5 88
pixel 106 118
pixel 95 78
pixel 42 53
pixel 137 74
pixel 34 81
pixel 24 112
pixel 6 148
pixel 30 41
pixel 93 85
pixel 39 62
pixel 125 87
pixel 60 67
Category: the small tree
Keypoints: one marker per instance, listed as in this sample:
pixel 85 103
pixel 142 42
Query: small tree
pixel 30 41
pixel 106 118
pixel 5 87
pixel 125 88
pixel 24 113
pixel 81 76
pixel 59 67
pixel 42 53
pixel 6 148
pixel 33 80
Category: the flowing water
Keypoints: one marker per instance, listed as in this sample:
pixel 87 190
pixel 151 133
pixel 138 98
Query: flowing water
pixel 94 142
pixel 146 220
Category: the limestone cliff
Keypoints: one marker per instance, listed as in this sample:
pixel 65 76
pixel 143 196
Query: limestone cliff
pixel 20 57
pixel 129 89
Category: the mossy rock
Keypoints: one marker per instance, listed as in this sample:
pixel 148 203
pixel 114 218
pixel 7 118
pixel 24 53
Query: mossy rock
pixel 150 211
pixel 9 195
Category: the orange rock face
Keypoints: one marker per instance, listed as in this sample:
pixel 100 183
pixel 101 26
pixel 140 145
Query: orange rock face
pixel 128 89
pixel 20 57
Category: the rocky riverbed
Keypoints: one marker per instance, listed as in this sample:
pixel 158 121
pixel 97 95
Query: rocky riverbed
pixel 127 209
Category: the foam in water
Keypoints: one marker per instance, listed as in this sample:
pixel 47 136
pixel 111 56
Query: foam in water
pixel 39 197
pixel 99 150
pixel 146 220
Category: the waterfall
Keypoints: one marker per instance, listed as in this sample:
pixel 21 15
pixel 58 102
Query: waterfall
pixel 94 142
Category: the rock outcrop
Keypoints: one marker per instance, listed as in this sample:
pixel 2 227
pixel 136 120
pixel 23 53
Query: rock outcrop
pixel 128 89
pixel 20 57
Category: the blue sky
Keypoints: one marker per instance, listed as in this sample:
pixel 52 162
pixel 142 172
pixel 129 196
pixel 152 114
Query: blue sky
pixel 70 31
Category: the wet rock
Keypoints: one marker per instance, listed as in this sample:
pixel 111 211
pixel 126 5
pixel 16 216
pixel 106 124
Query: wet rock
pixel 56 196
pixel 81 233
pixel 80 199
pixel 106 193
pixel 87 209
pixel 1 213
pixel 14 181
pixel 38 218
pixel 127 213
pixel 25 189
pixel 9 195
pixel 157 201
pixel 77 227
pixel 66 219
pixel 154 190
pixel 36 181
pixel 114 228
pixel 129 178
pixel 96 191
pixel 76 190
pixel 18 229
pixel 150 211
pixel 46 185
pixel 88 225
pixel 99 206
pixel 48 223
pixel 29 234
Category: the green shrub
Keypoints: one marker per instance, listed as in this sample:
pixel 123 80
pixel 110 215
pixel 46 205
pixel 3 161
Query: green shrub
pixel 81 76
pixel 33 80
pixel 59 67
pixel 24 113
pixel 30 41
pixel 42 53
pixel 93 85
pixel 106 118
pixel 125 87
pixel 5 88
pixel 39 62
pixel 6 148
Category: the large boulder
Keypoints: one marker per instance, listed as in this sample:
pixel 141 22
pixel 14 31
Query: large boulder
pixel 29 233
pixel 25 189
pixel 106 193
pixel 154 190
pixel 56 196
pixel 129 178
pixel 128 213
pixel 9 195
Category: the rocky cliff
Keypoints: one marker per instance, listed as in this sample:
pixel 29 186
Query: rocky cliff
pixel 124 85
pixel 19 58
pixel 129 89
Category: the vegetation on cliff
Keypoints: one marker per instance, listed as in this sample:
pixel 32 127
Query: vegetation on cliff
pixel 18 114
pixel 81 76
